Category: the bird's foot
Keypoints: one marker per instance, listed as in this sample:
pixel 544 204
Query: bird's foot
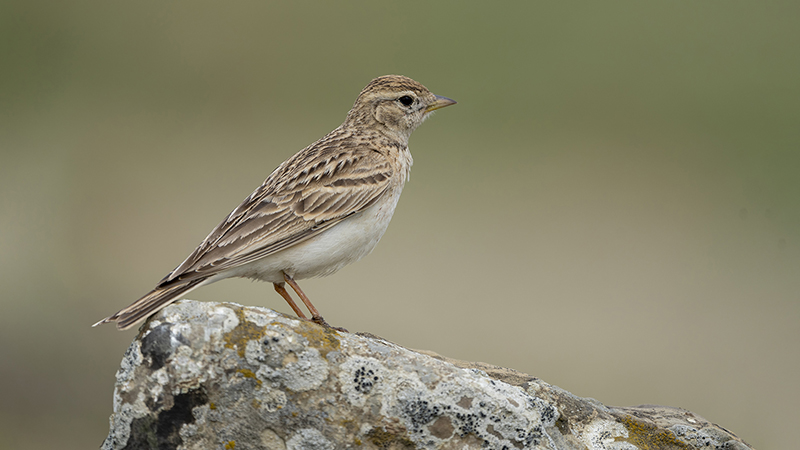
pixel 320 321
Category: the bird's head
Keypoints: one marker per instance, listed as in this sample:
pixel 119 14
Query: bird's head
pixel 395 105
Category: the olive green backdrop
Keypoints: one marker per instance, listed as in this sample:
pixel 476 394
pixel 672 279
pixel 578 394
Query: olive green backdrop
pixel 612 206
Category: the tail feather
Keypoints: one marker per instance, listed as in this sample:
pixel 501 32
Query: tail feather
pixel 151 303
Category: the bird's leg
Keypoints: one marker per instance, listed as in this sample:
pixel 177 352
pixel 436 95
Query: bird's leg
pixel 282 290
pixel 315 316
pixel 314 313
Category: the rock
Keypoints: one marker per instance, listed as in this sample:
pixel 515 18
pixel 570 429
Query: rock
pixel 225 376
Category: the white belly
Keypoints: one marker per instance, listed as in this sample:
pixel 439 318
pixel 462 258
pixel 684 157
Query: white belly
pixel 344 243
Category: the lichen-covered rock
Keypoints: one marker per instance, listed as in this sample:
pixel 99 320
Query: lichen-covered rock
pixel 225 376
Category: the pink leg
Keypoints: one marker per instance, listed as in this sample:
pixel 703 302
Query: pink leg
pixel 282 290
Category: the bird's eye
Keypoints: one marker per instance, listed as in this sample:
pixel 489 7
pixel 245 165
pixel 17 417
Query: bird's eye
pixel 406 100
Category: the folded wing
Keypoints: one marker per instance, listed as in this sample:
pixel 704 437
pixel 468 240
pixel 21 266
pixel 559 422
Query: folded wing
pixel 289 208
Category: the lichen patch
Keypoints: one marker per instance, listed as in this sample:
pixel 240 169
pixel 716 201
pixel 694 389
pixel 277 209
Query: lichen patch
pixel 308 439
pixel 244 332
pixel 647 436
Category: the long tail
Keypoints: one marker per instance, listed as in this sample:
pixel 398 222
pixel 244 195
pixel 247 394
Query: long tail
pixel 151 303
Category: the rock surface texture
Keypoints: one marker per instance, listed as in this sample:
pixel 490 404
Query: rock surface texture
pixel 225 376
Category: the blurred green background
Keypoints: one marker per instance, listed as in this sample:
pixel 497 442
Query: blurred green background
pixel 613 205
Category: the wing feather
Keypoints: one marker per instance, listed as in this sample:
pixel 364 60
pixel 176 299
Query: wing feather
pixel 313 190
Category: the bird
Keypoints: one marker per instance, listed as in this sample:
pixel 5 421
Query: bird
pixel 320 210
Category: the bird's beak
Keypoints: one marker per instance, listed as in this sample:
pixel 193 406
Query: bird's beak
pixel 440 102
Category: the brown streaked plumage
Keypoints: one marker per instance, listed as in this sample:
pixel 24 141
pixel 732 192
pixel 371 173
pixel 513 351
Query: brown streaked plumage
pixel 325 207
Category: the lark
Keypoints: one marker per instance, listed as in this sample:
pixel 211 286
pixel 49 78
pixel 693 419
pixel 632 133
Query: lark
pixel 322 209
